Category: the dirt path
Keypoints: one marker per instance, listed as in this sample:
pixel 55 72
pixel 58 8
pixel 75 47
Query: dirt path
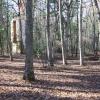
pixel 70 82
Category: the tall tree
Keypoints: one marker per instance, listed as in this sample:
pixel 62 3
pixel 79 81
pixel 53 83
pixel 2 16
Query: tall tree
pixel 29 73
pixel 49 40
pixel 80 32
pixel 61 33
pixel 9 46
pixel 20 24
pixel 1 18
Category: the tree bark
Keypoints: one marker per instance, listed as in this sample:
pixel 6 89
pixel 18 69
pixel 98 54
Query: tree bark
pixel 9 46
pixel 97 6
pixel 29 73
pixel 80 32
pixel 20 25
pixel 61 34
pixel 48 36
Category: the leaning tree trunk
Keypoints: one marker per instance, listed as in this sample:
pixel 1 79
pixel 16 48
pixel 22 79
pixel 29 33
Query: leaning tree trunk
pixel 29 73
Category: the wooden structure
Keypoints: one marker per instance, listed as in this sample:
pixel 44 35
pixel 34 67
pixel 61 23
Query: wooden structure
pixel 18 28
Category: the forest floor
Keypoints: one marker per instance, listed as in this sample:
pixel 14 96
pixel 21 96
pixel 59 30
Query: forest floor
pixel 70 82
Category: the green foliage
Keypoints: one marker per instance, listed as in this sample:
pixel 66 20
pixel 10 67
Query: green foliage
pixel 1 28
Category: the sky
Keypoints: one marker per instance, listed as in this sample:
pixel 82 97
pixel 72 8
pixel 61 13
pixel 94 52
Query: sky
pixel 15 6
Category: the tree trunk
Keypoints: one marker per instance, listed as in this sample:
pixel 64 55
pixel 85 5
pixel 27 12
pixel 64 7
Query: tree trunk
pixel 61 34
pixel 20 25
pixel 9 46
pixel 97 6
pixel 77 31
pixel 49 40
pixel 29 73
pixel 80 32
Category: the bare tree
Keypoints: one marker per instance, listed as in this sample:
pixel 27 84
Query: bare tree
pixel 9 46
pixel 80 32
pixel 48 36
pixel 61 33
pixel 20 23
pixel 29 73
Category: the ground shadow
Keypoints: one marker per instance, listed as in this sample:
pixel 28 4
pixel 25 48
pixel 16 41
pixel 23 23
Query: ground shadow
pixel 28 95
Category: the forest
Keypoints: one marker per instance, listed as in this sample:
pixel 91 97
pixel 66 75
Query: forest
pixel 49 50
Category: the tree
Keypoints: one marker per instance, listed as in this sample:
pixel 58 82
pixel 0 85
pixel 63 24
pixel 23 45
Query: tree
pixel 80 32
pixel 29 73
pixel 49 41
pixel 61 33
pixel 97 6
pixel 9 46
pixel 20 23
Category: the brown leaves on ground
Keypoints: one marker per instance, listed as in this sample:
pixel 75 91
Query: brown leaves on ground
pixel 70 82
